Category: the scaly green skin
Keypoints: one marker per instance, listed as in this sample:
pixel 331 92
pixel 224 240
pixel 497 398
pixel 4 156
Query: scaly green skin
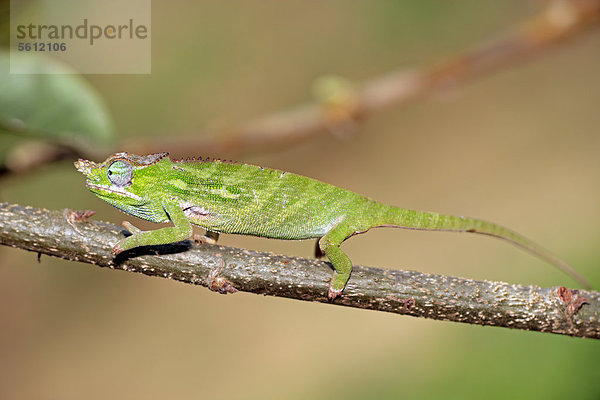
pixel 225 197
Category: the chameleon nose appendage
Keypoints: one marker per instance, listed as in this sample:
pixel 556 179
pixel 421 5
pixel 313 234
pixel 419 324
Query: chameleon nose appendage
pixel 85 166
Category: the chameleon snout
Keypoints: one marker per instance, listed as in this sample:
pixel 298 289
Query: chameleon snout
pixel 85 166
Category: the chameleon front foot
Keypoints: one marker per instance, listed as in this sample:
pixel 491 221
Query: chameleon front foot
pixel 121 246
pixel 117 249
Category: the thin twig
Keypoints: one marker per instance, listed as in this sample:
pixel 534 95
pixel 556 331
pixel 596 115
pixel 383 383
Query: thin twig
pixel 560 20
pixel 228 270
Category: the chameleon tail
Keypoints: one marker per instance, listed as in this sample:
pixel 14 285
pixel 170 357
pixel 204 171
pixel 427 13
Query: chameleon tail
pixel 410 219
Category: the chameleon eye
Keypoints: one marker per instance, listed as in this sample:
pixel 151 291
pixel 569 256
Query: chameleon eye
pixel 120 173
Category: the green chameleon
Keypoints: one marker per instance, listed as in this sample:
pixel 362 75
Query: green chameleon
pixel 227 197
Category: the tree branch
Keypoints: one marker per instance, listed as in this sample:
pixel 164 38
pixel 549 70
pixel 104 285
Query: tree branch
pixel 70 236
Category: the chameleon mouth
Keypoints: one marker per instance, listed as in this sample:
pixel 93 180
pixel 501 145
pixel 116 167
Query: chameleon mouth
pixel 100 189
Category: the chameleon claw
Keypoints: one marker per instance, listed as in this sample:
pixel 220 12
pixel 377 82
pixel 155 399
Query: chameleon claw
pixel 333 293
pixel 117 249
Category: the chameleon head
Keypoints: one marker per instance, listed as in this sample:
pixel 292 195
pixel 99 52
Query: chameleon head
pixel 120 179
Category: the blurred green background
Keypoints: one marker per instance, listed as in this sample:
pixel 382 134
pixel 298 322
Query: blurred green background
pixel 519 147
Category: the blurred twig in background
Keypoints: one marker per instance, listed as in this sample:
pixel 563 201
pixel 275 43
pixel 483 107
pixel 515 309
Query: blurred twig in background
pixel 560 20
pixel 342 110
pixel 70 236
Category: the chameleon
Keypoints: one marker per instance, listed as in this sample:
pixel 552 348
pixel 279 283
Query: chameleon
pixel 227 197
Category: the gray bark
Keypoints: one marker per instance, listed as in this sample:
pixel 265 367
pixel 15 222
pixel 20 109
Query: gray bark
pixel 227 270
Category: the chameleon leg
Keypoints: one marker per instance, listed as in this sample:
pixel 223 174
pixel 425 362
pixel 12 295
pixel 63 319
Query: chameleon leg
pixel 181 231
pixel 330 246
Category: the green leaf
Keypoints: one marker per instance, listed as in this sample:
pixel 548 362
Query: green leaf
pixel 51 102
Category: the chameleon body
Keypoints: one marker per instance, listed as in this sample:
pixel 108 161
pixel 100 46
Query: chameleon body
pixel 225 197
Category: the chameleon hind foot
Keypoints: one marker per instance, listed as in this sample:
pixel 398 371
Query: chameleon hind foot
pixel 332 294
pixel 342 266
pixel 337 284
